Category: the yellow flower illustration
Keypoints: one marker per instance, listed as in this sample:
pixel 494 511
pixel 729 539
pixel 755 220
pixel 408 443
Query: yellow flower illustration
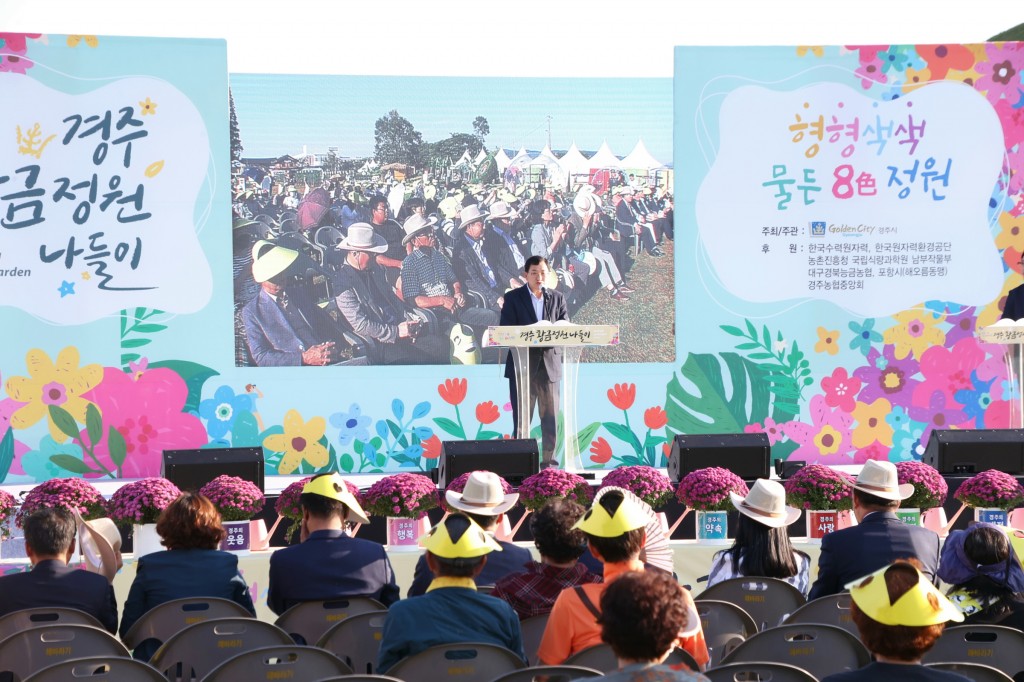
pixel 147 107
pixel 914 332
pixel 91 41
pixel 1011 234
pixel 828 440
pixel 816 50
pixel 871 424
pixel 828 341
pixel 86 275
pixel 48 384
pixel 300 441
pixel 916 78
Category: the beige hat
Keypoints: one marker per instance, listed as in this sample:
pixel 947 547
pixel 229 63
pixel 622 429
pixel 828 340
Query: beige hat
pixel 766 504
pixel 501 209
pixel 483 494
pixel 270 260
pixel 882 480
pixel 100 543
pixel 471 214
pixel 361 237
pixel 448 207
pixel 415 224
pixel 584 204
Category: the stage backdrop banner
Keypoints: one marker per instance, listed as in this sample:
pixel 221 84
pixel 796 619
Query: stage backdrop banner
pixel 855 216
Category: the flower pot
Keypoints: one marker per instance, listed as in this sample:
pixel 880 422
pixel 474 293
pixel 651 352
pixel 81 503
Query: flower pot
pixel 145 539
pixel 821 522
pixel 404 533
pixel 259 537
pixel 712 525
pixel 237 537
pixel 934 519
pixel 909 515
pixel 504 530
pixel 999 517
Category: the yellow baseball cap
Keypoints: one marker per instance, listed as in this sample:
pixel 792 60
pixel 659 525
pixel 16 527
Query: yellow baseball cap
pixel 915 608
pixel 473 542
pixel 333 486
pixel 597 521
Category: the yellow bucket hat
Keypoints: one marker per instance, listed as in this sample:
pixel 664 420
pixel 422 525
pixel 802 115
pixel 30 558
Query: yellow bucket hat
pixel 912 609
pixel 333 486
pixel 597 521
pixel 474 542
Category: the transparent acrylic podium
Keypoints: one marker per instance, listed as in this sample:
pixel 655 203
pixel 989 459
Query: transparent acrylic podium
pixel 1010 334
pixel 572 338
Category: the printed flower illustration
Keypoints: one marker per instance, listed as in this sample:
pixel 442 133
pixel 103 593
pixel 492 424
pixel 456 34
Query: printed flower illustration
pixel 999 75
pixel 148 414
pixel 147 107
pixel 893 59
pixel 76 40
pixel 864 335
pixel 840 389
pixel 961 325
pixel 1011 235
pixel 487 412
pixel 655 418
pixel 938 413
pixel 62 383
pixel 943 58
pixel 352 425
pixel 299 443
pixel 886 377
pixel 874 450
pixel 897 418
pixel 871 424
pixel 816 50
pixel 222 409
pixel 908 444
pixel 770 428
pixel 826 439
pixel 453 391
pixel 600 451
pixel 948 369
pixel 431 447
pixel 914 332
pixel 976 400
pixel 828 341
pixel 37 464
pixel 622 395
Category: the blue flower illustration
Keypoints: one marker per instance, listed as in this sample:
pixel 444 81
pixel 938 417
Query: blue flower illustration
pixel 898 418
pixel 37 464
pixel 976 400
pixel 864 335
pixel 222 409
pixel 906 445
pixel 352 425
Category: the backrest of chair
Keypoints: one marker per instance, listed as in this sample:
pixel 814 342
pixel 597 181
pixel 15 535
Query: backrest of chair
pixel 307 622
pixel 99 669
pixel 356 640
pixel 32 650
pixel 767 600
pixel 356 677
pixel 992 645
pixel 205 645
pixel 833 609
pixel 819 649
pixel 533 631
pixel 973 671
pixel 725 625
pixel 759 670
pixel 464 661
pixel 678 657
pixel 549 673
pixel 169 618
pixel 43 616
pixel 294 663
pixel 599 657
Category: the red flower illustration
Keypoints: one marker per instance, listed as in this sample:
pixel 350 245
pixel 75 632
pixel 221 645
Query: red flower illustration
pixel 452 391
pixel 601 450
pixel 431 447
pixel 487 413
pixel 622 395
pixel 655 418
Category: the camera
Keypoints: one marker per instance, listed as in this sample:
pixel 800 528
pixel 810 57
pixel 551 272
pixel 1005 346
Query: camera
pixel 416 328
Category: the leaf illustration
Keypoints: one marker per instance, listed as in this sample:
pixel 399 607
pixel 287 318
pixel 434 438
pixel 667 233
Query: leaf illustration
pixel 450 427
pixel 6 454
pixel 710 409
pixel 63 420
pixel 72 464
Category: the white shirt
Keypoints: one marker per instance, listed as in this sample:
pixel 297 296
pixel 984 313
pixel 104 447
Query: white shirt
pixel 538 303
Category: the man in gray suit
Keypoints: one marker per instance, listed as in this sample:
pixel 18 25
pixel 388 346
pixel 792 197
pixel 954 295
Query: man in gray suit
pixel 878 539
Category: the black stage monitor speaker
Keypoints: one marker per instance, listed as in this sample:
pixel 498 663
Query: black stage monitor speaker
pixel 969 451
pixel 745 454
pixel 513 459
pixel 190 470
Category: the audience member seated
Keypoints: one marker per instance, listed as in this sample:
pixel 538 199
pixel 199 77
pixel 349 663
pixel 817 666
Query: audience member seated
pixel 329 563
pixel 642 618
pixel 986 577
pixel 191 566
pixel 533 592
pixel 484 501
pixel 50 543
pixel 452 610
pixel 878 539
pixel 615 530
pixel 762 548
pixel 899 615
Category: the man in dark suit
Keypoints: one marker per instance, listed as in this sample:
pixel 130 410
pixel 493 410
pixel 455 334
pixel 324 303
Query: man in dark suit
pixel 878 539
pixel 473 266
pixel 527 305
pixel 49 543
pixel 329 564
pixel 484 501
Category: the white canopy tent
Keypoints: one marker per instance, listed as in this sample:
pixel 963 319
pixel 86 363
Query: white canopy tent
pixel 604 158
pixel 641 159
pixel 502 159
pixel 575 164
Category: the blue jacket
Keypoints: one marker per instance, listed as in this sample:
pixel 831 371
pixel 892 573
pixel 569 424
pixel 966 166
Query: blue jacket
pixel 327 565
pixel 512 559
pixel 54 583
pixel 878 540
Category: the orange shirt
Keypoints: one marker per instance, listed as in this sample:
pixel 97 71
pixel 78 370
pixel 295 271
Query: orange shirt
pixel 571 626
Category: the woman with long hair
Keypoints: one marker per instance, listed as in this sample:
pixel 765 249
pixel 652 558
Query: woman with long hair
pixel 762 548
